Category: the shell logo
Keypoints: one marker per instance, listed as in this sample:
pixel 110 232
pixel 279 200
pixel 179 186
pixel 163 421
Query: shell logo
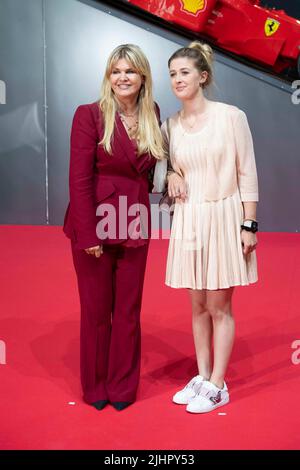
pixel 193 7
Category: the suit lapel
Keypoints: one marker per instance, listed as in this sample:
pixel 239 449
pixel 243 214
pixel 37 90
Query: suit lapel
pixel 125 145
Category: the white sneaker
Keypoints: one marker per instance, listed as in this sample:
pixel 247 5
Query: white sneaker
pixel 184 396
pixel 209 398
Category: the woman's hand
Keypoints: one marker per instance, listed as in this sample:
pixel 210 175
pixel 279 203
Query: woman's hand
pixel 96 251
pixel 177 187
pixel 249 241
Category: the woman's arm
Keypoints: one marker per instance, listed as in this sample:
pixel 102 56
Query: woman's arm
pixel 84 140
pixel 250 210
pixel 247 178
pixel 249 239
pixel 245 159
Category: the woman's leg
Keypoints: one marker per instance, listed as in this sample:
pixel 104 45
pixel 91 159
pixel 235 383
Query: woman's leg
pixel 202 332
pixel 125 346
pixel 218 304
pixel 94 276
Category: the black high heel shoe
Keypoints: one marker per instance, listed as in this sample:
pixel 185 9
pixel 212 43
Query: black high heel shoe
pixel 100 404
pixel 121 405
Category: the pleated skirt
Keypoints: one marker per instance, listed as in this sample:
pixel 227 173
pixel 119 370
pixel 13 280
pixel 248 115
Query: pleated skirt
pixel 205 249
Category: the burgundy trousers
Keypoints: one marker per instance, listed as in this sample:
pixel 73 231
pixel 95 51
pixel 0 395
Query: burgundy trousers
pixel 110 291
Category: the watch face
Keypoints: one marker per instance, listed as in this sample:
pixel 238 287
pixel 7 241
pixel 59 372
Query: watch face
pixel 248 223
pixel 251 225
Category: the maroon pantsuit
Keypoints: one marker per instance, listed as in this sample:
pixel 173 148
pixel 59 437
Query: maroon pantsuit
pixel 110 287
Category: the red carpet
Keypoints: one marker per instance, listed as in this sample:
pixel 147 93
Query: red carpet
pixel 39 329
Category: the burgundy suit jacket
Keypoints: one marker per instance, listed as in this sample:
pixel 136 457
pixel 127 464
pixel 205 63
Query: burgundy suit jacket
pixel 97 177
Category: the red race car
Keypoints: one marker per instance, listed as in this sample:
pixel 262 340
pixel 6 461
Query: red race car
pixel 267 36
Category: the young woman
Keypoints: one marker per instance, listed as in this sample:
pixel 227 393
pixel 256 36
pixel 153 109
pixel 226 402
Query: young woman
pixel 213 239
pixel 114 145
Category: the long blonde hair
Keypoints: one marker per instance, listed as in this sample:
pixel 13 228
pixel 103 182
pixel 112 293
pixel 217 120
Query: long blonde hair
pixel 149 138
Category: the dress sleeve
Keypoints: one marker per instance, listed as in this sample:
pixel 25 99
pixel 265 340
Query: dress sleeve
pixel 165 130
pixel 245 159
pixel 160 171
pixel 152 169
pixel 84 141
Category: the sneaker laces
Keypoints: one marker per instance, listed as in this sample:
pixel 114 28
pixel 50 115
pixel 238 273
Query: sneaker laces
pixel 209 393
pixel 198 387
pixel 193 382
pixel 202 391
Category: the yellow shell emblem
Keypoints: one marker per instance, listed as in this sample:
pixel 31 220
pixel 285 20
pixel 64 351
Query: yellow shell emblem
pixel 271 26
pixel 193 6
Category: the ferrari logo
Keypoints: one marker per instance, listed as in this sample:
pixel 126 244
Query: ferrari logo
pixel 271 26
pixel 194 7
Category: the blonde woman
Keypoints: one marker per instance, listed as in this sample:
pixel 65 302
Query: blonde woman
pixel 213 237
pixel 115 143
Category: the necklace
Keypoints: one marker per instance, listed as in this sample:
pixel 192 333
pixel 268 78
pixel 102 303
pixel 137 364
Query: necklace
pixel 131 128
pixel 199 119
pixel 190 126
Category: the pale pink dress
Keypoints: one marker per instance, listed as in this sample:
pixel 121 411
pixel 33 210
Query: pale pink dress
pixel 218 165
